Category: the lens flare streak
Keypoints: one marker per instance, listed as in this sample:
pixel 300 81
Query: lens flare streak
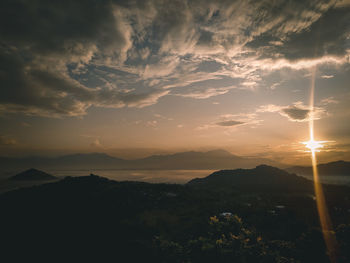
pixel 314 146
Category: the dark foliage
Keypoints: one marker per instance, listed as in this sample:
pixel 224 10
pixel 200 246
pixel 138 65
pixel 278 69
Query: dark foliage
pixel 93 218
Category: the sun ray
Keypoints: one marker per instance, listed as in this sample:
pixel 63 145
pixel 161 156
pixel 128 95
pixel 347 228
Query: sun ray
pixel 314 146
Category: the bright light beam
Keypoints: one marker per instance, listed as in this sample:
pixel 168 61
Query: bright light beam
pixel 314 146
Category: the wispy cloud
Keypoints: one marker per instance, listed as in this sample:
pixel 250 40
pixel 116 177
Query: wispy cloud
pixel 152 124
pixel 205 93
pixel 96 144
pixel 229 123
pixel 327 76
pixel 232 121
pixel 329 100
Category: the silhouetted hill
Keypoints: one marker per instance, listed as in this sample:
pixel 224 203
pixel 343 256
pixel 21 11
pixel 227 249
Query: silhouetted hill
pixel 329 169
pixel 32 175
pixel 260 177
pixel 216 159
pixel 92 218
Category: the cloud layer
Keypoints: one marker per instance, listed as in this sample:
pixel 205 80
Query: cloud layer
pixel 60 58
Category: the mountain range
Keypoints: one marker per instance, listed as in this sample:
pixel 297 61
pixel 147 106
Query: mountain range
pixel 215 159
pixel 328 169
pixel 191 160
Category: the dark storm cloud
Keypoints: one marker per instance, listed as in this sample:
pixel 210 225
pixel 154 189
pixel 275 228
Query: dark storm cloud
pixel 229 123
pixel 39 40
pixel 64 28
pixel 47 48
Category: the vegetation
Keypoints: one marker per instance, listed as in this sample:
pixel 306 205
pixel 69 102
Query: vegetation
pixel 93 218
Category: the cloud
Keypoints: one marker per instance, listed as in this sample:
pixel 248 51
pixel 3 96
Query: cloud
pixel 205 93
pixel 329 100
pixel 327 76
pixel 249 84
pixel 162 68
pixel 26 124
pixel 229 123
pixel 269 108
pixel 250 119
pixel 7 141
pixel 59 59
pixel 319 30
pixel 160 116
pixel 275 85
pixel 204 127
pixel 96 144
pixel 41 51
pixel 152 124
pixel 297 112
pixel 342 3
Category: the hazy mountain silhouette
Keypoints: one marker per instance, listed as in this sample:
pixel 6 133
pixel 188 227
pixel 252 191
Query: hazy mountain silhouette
pixel 82 160
pixel 332 168
pixel 216 159
pixel 32 175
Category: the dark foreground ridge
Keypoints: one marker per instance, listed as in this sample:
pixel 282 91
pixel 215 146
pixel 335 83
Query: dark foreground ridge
pixel 261 177
pixel 225 217
pixel 32 175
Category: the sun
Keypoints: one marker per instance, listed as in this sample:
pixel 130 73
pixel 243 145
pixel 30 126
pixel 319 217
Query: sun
pixel 313 145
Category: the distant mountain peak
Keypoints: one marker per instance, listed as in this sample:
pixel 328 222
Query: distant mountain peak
pixel 265 167
pixel 32 175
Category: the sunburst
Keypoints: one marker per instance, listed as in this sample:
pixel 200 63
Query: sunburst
pixel 314 146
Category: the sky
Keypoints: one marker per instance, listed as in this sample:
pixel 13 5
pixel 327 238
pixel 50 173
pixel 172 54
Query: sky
pixel 134 78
